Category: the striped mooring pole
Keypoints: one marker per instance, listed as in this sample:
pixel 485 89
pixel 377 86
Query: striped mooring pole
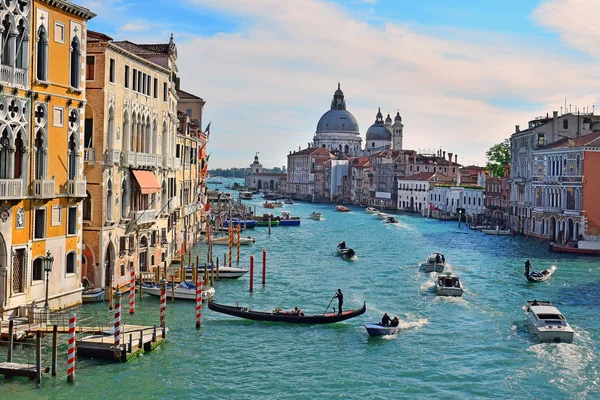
pixel 117 338
pixel 251 272
pixel 71 348
pixel 199 284
pixel 230 244
pixel 132 290
pixel 239 229
pixel 163 300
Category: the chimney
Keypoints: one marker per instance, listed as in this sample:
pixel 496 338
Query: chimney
pixel 444 155
pixel 517 129
pixel 450 157
pixel 456 158
pixel 554 125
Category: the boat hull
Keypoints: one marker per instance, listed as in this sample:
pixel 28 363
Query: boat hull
pixel 243 312
pixel 262 224
pixel 180 293
pixel 551 335
pixel 380 330
pixel 496 232
pixel 448 291
pixel 289 222
pixel 250 223
pixel 435 267
pixel 554 248
pixel 224 241
pixel 92 295
pixel 541 276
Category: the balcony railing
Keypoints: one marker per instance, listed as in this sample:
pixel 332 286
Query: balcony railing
pixel 174 204
pixel 176 163
pixel 76 188
pixel 12 75
pixel 43 189
pixel 137 160
pixel 89 155
pixel 113 156
pixel 168 162
pixel 11 189
pixel 144 216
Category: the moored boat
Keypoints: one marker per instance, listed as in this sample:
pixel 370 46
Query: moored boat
pixel 224 240
pixel 371 210
pixel 497 231
pixel 92 295
pixel 316 216
pixel 286 317
pixel 448 285
pixel 246 223
pixel 582 247
pixel 224 271
pixel 287 220
pixel 246 195
pixel 185 290
pixel 342 209
pixel 376 329
pixel 547 322
pixel 434 262
pixel 265 223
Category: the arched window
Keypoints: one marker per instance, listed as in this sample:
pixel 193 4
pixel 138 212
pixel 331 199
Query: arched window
pixel 40 155
pixel 346 149
pixel 38 271
pixel 5 155
pixel 126 133
pixel 111 129
pixel 578 164
pixel 87 207
pixel 124 200
pixel 42 54
pixel 19 151
pixel 122 269
pixel 6 31
pixel 165 145
pixel 72 157
pixel 71 262
pixel 21 56
pixel 75 62
pixel 566 124
pixel 109 201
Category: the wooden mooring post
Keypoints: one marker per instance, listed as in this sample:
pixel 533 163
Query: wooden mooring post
pixel 38 358
pixel 11 325
pixel 54 348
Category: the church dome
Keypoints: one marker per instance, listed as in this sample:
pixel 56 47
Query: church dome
pixel 398 118
pixel 337 119
pixel 388 119
pixel 378 131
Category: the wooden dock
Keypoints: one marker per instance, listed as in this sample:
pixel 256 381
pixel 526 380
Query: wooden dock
pixel 10 369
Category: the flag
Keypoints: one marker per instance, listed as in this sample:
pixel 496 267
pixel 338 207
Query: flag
pixel 207 130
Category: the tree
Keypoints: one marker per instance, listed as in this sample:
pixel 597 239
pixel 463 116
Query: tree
pixel 498 157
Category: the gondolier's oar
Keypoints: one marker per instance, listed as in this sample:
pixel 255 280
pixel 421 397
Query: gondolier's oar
pixel 329 304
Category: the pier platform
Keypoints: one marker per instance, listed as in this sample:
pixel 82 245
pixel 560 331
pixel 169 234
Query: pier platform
pixel 10 369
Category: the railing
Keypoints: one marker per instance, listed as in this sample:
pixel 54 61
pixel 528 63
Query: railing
pixel 143 217
pixel 12 75
pixel 43 189
pixel 76 188
pixel 89 155
pixel 11 189
pixel 168 162
pixel 176 163
pixel 135 159
pixel 174 204
pixel 113 156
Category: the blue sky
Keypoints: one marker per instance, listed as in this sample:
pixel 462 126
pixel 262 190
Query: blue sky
pixel 461 75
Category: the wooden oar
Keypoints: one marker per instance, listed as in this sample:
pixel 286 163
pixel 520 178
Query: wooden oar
pixel 329 304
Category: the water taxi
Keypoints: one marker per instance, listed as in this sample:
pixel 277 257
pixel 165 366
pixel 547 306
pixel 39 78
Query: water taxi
pixel 448 285
pixel 547 322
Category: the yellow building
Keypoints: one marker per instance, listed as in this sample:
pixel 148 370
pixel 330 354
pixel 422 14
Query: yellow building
pixel 41 180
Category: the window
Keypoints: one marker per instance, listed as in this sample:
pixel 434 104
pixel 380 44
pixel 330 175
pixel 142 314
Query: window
pixel 75 62
pixel 541 139
pixel 122 245
pixel 109 201
pixel 72 221
pixel 148 81
pixel 39 231
pixel 71 262
pixel 87 207
pixel 155 88
pixel 566 124
pixel 56 216
pixel 58 118
pixel 111 71
pixel 134 79
pixel 19 264
pixel 42 54
pixel 40 156
pixel 88 133
pixel 139 86
pixel 90 68
pixel 164 91
pixel 59 32
pixel 126 77
pixel 72 157
pixel 122 269
pixel 38 271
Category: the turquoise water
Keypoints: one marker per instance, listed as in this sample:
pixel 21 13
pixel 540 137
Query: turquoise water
pixel 477 346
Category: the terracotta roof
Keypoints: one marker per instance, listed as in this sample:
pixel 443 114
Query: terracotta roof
pixel 93 36
pixel 423 176
pixel 575 142
pixel 185 95
pixel 316 151
pixel 359 161
pixel 143 50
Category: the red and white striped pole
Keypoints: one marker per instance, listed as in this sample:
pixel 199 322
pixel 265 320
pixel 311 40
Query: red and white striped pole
pixel 251 273
pixel 117 338
pixel 199 284
pixel 230 242
pixel 132 290
pixel 71 348
pixel 264 266
pixel 163 301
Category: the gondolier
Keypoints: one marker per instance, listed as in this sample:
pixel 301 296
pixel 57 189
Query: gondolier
pixel 340 296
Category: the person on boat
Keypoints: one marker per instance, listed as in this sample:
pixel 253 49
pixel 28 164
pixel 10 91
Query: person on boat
pixel 342 245
pixel 297 311
pixel 395 322
pixel 443 259
pixel 527 267
pixel 535 303
pixel 340 296
pixel 438 259
pixel 385 320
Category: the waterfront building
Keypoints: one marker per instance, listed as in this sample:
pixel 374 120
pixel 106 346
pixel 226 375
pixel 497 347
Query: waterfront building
pixel 496 196
pixel 413 192
pixel 261 180
pixel 130 131
pixel 562 173
pixel 42 184
pixel 358 168
pixel 305 179
pixel 542 131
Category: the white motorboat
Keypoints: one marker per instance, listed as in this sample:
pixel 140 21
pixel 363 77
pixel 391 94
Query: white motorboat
pixel 547 322
pixel 246 195
pixel 185 290
pixel 316 216
pixel 371 210
pixel 448 285
pixel 224 240
pixel 92 295
pixel 434 262
pixel 391 220
pixel 224 271
pixel 497 231
pixel 382 215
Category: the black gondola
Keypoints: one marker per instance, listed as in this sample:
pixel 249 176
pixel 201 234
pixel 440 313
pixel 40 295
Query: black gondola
pixel 540 276
pixel 244 312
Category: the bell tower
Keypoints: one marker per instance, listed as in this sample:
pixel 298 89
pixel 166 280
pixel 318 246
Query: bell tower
pixel 256 167
pixel 397 133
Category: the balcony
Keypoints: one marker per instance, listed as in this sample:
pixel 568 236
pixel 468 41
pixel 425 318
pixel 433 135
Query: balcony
pixel 176 163
pixel 142 160
pixel 89 155
pixel 76 188
pixel 43 189
pixel 168 162
pixel 174 203
pixel 144 216
pixel 11 189
pixel 13 76
pixel 113 156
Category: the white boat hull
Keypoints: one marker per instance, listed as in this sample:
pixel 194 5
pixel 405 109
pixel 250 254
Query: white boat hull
pixel 449 291
pixel 382 215
pixel 180 293
pixel 224 241
pixel 224 272
pixel 316 216
pixel 551 334
pixel 496 232
pixel 435 267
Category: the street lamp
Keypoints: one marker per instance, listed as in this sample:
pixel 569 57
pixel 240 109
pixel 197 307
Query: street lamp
pixel 47 262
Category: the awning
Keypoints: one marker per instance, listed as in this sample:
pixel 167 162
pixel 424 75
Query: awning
pixel 147 181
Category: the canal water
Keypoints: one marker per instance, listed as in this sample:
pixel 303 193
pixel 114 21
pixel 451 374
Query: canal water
pixel 477 346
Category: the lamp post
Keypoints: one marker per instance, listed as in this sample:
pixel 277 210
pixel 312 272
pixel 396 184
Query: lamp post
pixel 47 262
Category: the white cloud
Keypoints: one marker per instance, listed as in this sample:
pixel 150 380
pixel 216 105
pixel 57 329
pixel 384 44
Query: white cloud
pixel 267 86
pixel 134 27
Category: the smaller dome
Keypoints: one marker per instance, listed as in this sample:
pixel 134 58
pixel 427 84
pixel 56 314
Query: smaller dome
pixel 378 131
pixel 338 92
pixel 388 119
pixel 398 118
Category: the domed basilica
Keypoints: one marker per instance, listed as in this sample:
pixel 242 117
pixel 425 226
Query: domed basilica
pixel 338 130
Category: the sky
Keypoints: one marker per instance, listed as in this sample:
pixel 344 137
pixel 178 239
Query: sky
pixel 461 75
